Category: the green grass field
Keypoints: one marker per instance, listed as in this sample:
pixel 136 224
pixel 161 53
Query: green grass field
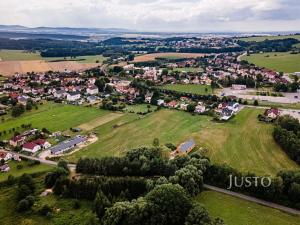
pixel 80 59
pixel 244 143
pixel 262 38
pixel 10 55
pixel 26 169
pixel 190 88
pixel 188 69
pixel 236 211
pixel 54 117
pixel 140 108
pixel 279 61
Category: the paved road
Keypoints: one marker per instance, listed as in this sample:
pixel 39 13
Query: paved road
pixel 45 161
pixel 255 200
pixel 231 193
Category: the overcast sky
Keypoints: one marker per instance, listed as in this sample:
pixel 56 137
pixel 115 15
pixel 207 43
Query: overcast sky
pixel 156 15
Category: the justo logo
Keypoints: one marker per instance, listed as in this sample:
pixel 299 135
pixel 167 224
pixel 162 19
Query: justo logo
pixel 239 182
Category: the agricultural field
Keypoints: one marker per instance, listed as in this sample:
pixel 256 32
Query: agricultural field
pixel 20 55
pixel 13 55
pixel 256 151
pixel 279 61
pixel 79 59
pixel 263 38
pixel 190 88
pixel 9 68
pixel 236 211
pixel 26 168
pixel 55 117
pixel 154 56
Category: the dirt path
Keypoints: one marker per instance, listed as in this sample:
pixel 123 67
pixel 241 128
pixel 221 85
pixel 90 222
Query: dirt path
pixel 100 121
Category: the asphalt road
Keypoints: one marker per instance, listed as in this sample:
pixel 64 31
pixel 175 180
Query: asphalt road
pixel 255 200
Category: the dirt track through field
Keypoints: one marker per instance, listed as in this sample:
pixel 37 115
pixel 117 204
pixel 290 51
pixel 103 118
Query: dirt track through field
pixel 100 121
pixel 9 68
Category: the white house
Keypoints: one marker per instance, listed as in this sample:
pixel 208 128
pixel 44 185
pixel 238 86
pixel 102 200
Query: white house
pixel 92 90
pixel 31 147
pixel 160 102
pixel 5 156
pixel 73 96
pixel 199 109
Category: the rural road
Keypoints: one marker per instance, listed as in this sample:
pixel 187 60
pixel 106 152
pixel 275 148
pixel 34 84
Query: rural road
pixel 255 200
pixel 209 187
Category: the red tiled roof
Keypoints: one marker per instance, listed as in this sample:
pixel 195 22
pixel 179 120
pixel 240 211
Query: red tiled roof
pixel 39 141
pixel 29 145
pixel 3 154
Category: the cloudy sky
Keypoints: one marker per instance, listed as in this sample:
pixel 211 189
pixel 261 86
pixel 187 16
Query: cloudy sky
pixel 156 15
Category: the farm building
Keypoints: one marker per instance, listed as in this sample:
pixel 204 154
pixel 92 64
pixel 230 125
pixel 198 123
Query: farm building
pixel 184 148
pixel 67 145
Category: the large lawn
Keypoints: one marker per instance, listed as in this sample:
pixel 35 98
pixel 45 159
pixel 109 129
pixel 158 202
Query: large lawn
pixel 132 131
pixel 26 168
pixel 243 142
pixel 262 38
pixel 190 88
pixel 246 144
pixel 279 61
pixel 236 211
pixel 9 55
pixel 54 117
pixel 188 69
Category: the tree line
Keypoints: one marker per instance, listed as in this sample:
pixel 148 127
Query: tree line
pixel 287 135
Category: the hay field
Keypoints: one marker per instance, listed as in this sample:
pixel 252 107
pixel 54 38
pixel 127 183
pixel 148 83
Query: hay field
pixel 9 68
pixel 170 55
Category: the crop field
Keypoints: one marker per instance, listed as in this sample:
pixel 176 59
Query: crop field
pixel 9 68
pixel 236 211
pixel 154 56
pixel 279 61
pixel 190 88
pixel 26 168
pixel 256 151
pixel 12 55
pixel 54 117
pixel 263 38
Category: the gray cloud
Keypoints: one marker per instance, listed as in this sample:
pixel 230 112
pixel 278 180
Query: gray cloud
pixel 160 15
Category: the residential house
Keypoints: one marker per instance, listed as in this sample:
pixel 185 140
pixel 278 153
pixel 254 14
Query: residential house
pixel 226 114
pixel 160 102
pixel 92 90
pixel 4 168
pixel 31 147
pixel 172 104
pixel 5 156
pixel 91 99
pixel 183 106
pixel 272 113
pixel 73 96
pixel 60 94
pixel 42 143
pixel 17 141
pixel 200 108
